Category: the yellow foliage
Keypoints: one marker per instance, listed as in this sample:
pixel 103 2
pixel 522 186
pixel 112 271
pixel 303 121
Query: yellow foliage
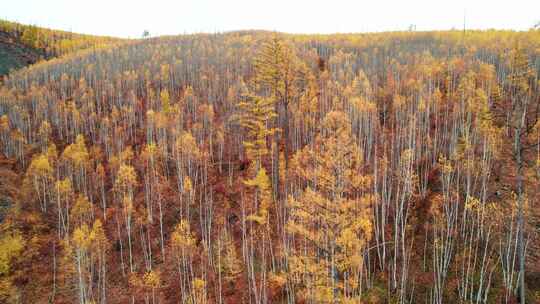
pixel 255 116
pixel 127 203
pixel 165 101
pixel 64 187
pixel 4 123
pixel 262 183
pixel 277 280
pixel 152 279
pixel 150 150
pixel 40 166
pixel 127 155
pixel 11 246
pixel 472 203
pixel 81 237
pixel 230 264
pixel 332 216
pixel 126 178
pixel 198 295
pixel 77 152
pixel 446 166
pixel 82 207
pixel 182 238
pixel 187 149
pixel 199 284
pixel 277 68
pixel 97 237
pixel 188 187
pixel 45 130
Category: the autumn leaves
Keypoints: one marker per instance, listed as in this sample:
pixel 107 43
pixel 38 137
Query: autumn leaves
pixel 330 219
pixel 328 214
pixel 222 169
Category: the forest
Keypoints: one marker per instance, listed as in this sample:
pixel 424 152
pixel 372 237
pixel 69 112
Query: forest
pixel 264 167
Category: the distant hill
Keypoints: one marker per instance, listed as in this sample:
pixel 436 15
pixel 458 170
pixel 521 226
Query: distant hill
pixel 22 45
pixel 14 54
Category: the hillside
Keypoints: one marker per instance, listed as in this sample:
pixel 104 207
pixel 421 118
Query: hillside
pixel 260 167
pixel 22 45
pixel 15 55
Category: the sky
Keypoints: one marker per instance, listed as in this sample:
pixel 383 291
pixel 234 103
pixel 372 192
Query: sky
pixel 129 18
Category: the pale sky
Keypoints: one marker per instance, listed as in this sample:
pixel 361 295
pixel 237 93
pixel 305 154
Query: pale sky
pixel 128 18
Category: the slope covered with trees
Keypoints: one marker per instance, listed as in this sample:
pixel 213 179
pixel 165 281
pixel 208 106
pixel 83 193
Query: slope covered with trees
pixel 258 167
pixel 22 45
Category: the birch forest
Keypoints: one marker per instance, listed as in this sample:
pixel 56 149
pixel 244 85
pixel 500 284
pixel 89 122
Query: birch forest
pixel 263 167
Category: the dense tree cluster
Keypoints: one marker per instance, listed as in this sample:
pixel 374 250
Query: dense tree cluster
pixel 257 167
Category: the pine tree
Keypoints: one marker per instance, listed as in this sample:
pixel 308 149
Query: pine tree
pixel 256 114
pixel 279 75
pixel 331 218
